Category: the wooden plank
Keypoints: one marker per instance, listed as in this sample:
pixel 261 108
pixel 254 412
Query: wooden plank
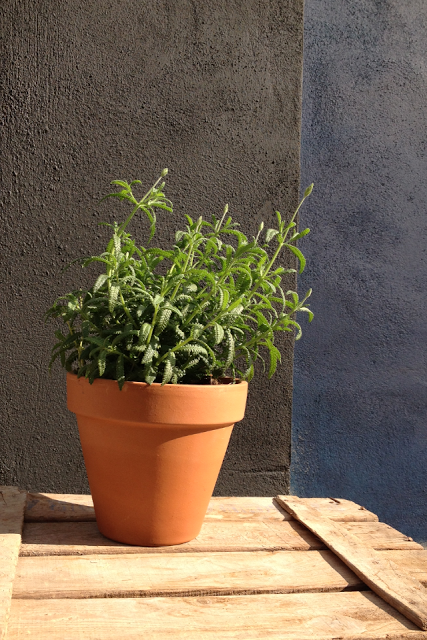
pixel 49 507
pixel 83 538
pixel 52 507
pixel 403 592
pixel 45 507
pixel 310 616
pixel 342 510
pixel 76 538
pixel 381 536
pixel 245 508
pixel 141 575
pixel 413 563
pixel 112 576
pixel 12 505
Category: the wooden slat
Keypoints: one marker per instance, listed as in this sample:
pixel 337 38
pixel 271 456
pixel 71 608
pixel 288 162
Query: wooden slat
pixel 342 510
pixel 52 507
pixel 12 504
pixel 315 616
pixel 82 538
pixel 45 507
pixel 381 536
pixel 49 507
pixel 412 562
pixel 245 508
pixel 141 575
pixel 406 594
pixel 76 538
pixel 181 575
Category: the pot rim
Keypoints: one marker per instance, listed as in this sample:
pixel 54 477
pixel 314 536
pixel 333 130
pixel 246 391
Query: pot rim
pixel 173 404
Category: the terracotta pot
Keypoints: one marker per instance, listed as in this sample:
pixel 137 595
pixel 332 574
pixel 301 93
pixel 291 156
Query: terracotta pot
pixel 153 453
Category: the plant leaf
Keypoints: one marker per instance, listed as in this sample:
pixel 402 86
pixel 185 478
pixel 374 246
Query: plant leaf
pixel 299 255
pixel 99 282
pixel 112 298
pixel 102 361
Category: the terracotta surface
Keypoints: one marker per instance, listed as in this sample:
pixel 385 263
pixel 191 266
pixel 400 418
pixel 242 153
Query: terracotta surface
pixel 153 453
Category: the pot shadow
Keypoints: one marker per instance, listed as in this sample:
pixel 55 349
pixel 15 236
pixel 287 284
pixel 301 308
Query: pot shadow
pixel 43 507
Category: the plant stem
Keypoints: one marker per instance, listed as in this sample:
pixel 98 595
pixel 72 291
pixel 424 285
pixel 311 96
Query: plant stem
pixel 138 206
pixel 153 323
pixel 127 312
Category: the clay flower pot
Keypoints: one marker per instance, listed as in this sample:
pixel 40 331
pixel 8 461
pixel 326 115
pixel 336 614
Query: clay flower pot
pixel 153 453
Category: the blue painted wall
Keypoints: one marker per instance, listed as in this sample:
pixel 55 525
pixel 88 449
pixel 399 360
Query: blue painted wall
pixel 359 414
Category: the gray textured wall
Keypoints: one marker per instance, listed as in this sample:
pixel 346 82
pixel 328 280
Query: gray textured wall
pixel 94 91
pixel 360 373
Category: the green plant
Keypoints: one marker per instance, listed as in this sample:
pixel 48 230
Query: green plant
pixel 212 310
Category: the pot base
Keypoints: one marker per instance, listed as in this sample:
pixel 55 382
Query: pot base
pixel 151 486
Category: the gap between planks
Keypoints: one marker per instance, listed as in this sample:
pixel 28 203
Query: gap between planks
pixel 82 538
pixel 126 576
pixel 202 617
pixel 403 592
pixel 49 507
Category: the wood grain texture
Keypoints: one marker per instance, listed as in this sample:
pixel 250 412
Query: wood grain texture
pixel 403 592
pixel 141 575
pixel 12 504
pixel 381 536
pixel 246 576
pixel 50 507
pixel 342 510
pixel 45 507
pixel 315 616
pixel 77 538
pixel 53 507
pixel 412 562
pixel 191 574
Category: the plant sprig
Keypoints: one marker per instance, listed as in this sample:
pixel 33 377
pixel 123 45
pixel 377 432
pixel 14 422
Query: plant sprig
pixel 213 311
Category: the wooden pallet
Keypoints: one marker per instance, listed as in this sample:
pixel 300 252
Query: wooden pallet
pixel 259 569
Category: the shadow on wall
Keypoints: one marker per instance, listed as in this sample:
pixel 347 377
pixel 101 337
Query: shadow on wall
pixel 359 413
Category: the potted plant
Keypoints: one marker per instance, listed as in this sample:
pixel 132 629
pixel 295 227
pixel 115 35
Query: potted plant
pixel 159 353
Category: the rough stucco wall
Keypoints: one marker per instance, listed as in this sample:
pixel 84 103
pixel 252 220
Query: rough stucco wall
pixel 360 372
pixel 94 91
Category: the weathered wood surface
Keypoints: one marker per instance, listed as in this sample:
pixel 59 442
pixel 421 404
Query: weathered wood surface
pixel 77 538
pixel 381 536
pixel 183 575
pixel 50 507
pixel 342 510
pixel 230 573
pixel 308 616
pixel 253 572
pixel 82 538
pixel 12 504
pixel 411 562
pixel 139 575
pixel 384 577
